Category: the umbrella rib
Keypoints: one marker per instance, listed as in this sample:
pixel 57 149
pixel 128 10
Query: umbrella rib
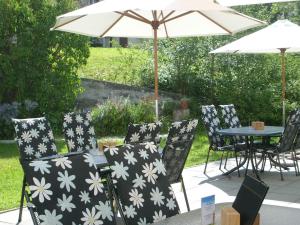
pixel 167 35
pixel 167 16
pixel 218 24
pixel 111 26
pixel 178 16
pixel 63 24
pixel 140 16
pixel 134 17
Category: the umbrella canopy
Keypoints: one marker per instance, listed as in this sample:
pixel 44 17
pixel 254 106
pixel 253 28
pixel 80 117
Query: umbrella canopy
pixel 280 37
pixel 154 19
pixel 249 2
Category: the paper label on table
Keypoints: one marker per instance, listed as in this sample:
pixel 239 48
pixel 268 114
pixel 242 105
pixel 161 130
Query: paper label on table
pixel 208 209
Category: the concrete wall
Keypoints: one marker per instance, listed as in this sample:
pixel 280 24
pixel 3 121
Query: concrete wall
pixel 97 92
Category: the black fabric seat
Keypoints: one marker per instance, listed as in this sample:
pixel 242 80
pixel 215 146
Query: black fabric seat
pixel 141 186
pixel 217 143
pixel 67 190
pixel 34 140
pixel 79 132
pixel 179 142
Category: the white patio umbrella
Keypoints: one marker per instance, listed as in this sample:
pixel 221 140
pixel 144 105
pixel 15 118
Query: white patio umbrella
pixel 280 37
pixel 249 2
pixel 154 19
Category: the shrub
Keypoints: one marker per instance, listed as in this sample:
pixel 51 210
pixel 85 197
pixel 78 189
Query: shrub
pixel 113 117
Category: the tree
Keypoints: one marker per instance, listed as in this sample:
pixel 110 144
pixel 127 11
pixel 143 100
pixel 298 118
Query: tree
pixel 36 63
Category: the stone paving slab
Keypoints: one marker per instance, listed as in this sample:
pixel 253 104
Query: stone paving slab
pixel 281 193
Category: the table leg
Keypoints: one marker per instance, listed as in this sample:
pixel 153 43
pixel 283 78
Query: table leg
pixel 252 158
pixel 238 166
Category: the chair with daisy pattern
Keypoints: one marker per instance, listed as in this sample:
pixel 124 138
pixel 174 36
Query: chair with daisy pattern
pixel 34 140
pixel 177 148
pixel 147 132
pixel 67 190
pixel 79 132
pixel 140 184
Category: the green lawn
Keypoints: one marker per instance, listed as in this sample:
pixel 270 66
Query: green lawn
pixel 11 174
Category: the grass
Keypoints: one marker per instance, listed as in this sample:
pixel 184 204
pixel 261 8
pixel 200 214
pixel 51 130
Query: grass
pixel 11 174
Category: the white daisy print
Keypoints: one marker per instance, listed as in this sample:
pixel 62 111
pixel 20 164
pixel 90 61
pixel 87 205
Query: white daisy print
pixel 63 162
pixel 40 189
pixel 42 148
pixel 158 216
pixel 89 117
pixel 28 150
pixel 139 182
pixel 105 210
pixel 24 126
pixel 130 211
pixel 70 133
pixel 112 150
pixel 26 136
pixel 142 221
pixel 91 217
pixel 41 166
pixel 160 166
pixel 80 140
pixel 171 192
pixel 182 130
pixel 65 203
pixel 79 130
pixel 84 197
pixel 147 137
pixel 143 128
pixel 41 126
pixel 95 183
pixel 171 204
pixel 91 131
pixel 34 133
pixel 177 124
pixel 136 198
pixel 135 137
pixel 50 135
pixel 71 144
pixel 151 146
pixel 79 119
pixel 157 197
pixel 50 218
pixel 37 155
pixel 90 160
pixel 45 139
pixel 143 154
pixel 66 180
pixel 68 118
pixel 150 172
pixel 152 126
pixel 53 147
pixel 129 156
pixel 119 170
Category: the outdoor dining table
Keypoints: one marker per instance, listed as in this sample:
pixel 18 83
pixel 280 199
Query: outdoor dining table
pixel 269 215
pixel 250 133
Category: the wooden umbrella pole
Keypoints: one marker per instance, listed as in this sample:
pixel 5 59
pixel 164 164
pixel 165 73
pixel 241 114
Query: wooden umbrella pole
pixel 283 82
pixel 155 25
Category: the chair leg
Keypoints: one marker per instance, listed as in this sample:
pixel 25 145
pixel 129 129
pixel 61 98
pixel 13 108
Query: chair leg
pixel 221 162
pixel 22 200
pixel 185 195
pixel 281 175
pixel 206 161
pixel 31 210
pixel 237 164
pixel 226 160
pixel 295 162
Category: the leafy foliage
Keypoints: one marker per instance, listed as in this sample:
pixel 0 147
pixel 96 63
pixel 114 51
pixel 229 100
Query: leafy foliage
pixel 36 63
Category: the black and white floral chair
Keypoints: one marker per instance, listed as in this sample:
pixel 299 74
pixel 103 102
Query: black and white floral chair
pixel 217 143
pixel 79 132
pixel 67 190
pixel 147 132
pixel 34 140
pixel 179 142
pixel 141 185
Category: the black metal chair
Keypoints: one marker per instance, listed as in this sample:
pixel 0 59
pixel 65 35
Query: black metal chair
pixel 67 190
pixel 79 132
pixel 176 151
pixel 147 132
pixel 34 140
pixel 140 184
pixel 288 143
pixel 217 143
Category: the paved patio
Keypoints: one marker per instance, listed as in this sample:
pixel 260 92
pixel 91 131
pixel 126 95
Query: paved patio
pixel 281 193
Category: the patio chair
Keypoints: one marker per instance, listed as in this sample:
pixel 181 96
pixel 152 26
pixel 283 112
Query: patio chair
pixel 177 148
pixel 79 132
pixel 217 142
pixel 34 140
pixel 147 132
pixel 141 186
pixel 67 190
pixel 287 144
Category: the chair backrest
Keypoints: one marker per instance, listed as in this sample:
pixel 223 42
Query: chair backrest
pixel 147 132
pixel 34 138
pixel 290 136
pixel 68 190
pixel 212 125
pixel 177 148
pixel 79 132
pixel 231 120
pixel 141 184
